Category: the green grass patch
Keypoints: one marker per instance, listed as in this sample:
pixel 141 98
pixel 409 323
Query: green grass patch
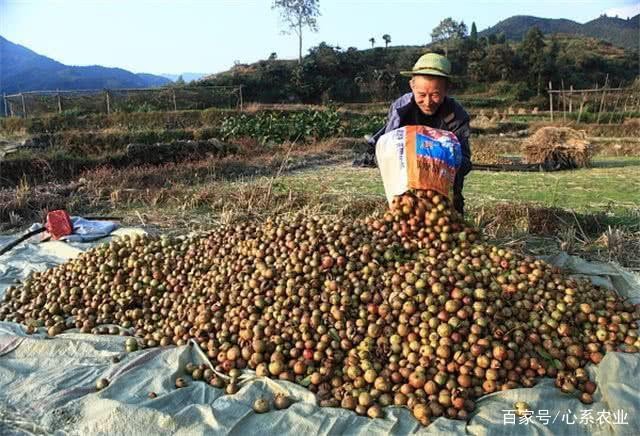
pixel 613 184
pixel 611 189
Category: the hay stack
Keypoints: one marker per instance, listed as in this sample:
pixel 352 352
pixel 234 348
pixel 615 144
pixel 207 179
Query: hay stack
pixel 482 122
pixel 558 148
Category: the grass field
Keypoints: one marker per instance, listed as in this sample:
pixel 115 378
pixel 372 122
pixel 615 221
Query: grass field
pixel 328 183
pixel 613 184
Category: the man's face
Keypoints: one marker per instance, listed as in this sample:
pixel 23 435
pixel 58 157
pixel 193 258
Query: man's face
pixel 429 92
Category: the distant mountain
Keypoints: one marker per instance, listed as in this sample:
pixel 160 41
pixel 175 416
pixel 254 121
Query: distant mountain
pixel 187 77
pixel 617 31
pixel 623 33
pixel 23 70
pixel 153 80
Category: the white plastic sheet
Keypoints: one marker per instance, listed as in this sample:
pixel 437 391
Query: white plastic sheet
pixel 48 386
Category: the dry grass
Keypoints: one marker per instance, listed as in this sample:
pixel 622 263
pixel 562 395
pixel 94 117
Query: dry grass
pixel 620 245
pixel 26 204
pixel 504 219
pixel 542 230
pixel 488 156
pixel 632 123
pixel 245 184
pixel 558 146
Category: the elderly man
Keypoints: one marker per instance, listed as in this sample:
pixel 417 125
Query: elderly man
pixel 428 105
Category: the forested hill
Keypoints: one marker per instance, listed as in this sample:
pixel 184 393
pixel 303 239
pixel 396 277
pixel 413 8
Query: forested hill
pixel 494 66
pixel 620 32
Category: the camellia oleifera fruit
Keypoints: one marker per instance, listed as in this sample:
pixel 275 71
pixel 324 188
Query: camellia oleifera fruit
pixel 410 308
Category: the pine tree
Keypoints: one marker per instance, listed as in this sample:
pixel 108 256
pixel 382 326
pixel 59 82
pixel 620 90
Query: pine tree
pixel 474 32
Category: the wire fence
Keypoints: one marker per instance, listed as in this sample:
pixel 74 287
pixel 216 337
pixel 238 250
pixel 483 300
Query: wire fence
pixel 37 103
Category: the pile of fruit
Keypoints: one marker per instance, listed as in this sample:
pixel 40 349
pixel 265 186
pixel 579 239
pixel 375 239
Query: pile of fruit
pixel 410 309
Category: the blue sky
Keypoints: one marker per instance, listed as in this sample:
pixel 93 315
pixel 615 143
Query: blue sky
pixel 174 36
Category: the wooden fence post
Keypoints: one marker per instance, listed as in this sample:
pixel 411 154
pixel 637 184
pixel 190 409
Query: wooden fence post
pixel 571 99
pixel 604 92
pixel 24 106
pixel 626 100
pixel 175 104
pixel 615 106
pixel 584 98
pixel 59 101
pixel 564 101
pixel 108 101
pixel 551 100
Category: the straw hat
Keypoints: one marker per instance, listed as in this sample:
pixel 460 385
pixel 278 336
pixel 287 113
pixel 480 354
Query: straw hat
pixel 430 64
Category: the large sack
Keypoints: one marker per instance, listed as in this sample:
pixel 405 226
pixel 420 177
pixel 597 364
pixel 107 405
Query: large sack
pixel 418 157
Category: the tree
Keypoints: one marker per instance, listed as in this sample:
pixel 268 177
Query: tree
pixel 448 30
pixel 387 39
pixel 372 40
pixel 298 14
pixel 179 81
pixel 474 32
pixel 551 67
pixel 532 50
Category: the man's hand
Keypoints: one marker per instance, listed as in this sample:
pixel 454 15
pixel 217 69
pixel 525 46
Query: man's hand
pixel 368 158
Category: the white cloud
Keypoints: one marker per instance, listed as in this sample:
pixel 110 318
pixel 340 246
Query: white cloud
pixel 624 11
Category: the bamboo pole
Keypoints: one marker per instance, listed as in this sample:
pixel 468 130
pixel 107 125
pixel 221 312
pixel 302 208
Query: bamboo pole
pixel 604 92
pixel 615 106
pixel 59 98
pixel 107 98
pixel 584 98
pixel 590 90
pixel 175 105
pixel 564 101
pixel 24 106
pixel 550 101
pixel 571 99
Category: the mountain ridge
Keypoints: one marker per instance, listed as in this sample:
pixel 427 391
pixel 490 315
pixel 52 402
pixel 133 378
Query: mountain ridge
pixel 23 69
pixel 617 31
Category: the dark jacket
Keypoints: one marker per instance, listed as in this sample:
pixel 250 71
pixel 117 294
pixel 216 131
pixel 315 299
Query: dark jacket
pixel 450 116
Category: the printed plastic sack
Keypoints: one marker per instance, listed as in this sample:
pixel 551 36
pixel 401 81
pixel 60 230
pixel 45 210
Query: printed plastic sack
pixel 418 157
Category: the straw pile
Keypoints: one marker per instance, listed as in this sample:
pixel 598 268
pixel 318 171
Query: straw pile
pixel 558 148
pixel 482 121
